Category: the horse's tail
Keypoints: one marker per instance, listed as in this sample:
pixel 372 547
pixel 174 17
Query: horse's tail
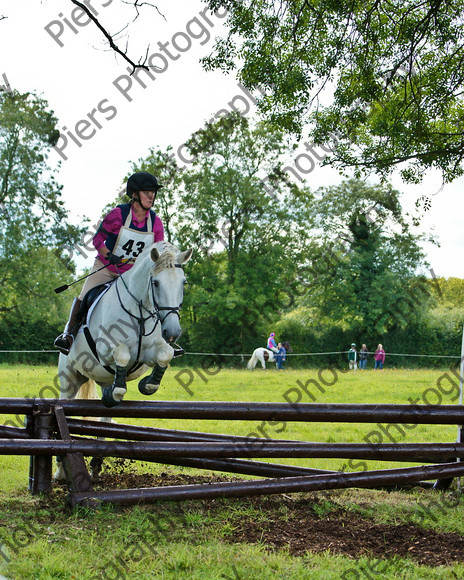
pixel 252 362
pixel 87 391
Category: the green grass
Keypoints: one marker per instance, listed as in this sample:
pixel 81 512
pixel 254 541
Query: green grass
pixel 189 540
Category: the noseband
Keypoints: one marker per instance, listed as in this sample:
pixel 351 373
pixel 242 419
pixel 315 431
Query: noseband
pixel 155 314
pixel 170 309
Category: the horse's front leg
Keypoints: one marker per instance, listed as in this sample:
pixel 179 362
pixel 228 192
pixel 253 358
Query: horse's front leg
pixel 164 354
pixel 114 394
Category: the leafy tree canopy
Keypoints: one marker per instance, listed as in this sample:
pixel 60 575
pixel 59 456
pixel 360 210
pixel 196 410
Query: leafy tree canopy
pixel 30 199
pixel 249 227
pixel 33 226
pixel 380 81
pixel 366 259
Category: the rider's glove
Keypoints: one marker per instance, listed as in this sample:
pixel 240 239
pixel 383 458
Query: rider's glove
pixel 114 260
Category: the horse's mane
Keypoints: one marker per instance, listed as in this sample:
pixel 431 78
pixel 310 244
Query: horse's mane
pixel 167 259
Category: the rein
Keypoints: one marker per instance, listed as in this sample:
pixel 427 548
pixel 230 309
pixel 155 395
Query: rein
pixel 155 314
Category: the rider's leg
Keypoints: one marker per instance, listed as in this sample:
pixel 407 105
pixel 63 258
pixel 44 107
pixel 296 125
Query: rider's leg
pixel 66 339
pixel 97 277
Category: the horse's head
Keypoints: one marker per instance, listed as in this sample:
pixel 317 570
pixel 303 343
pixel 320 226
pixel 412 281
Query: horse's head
pixel 287 346
pixel 167 281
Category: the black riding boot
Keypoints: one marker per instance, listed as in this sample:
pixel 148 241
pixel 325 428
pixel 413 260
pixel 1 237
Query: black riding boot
pixel 64 341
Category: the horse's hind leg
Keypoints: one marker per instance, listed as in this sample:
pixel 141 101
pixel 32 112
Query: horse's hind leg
pixel 96 463
pixel 70 383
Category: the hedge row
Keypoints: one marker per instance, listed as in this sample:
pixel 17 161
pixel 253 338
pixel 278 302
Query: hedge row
pixel 423 339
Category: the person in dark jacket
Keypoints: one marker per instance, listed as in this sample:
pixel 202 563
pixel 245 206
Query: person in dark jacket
pixel 353 357
pixel 363 354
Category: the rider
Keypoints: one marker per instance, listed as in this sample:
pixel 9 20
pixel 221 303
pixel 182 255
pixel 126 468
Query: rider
pixel 122 234
pixel 271 343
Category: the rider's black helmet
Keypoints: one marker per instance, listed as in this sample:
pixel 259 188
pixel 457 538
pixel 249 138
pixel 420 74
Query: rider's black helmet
pixel 142 181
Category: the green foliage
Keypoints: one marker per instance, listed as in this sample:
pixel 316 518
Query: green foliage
pixel 449 292
pixel 32 213
pixel 364 264
pixel 388 75
pixel 433 335
pixel 33 226
pixel 248 242
pixel 163 165
pixel 321 269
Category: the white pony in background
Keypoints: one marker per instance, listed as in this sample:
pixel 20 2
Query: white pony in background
pixel 264 355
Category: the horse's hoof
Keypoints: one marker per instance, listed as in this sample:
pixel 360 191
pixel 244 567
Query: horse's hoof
pixel 107 398
pixel 147 388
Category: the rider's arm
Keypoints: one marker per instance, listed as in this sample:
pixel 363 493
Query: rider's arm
pixel 158 230
pixel 110 225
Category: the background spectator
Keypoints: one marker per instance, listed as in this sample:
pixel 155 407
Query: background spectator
pixel 280 357
pixel 363 353
pixel 379 357
pixel 352 357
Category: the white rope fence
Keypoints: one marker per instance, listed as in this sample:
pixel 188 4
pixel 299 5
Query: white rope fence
pixel 288 354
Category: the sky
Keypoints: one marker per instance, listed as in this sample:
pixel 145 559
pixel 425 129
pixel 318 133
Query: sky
pixel 108 119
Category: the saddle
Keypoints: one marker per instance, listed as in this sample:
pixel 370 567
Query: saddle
pixel 89 300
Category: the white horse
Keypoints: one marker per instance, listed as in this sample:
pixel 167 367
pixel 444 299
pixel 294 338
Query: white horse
pixel 128 330
pixel 264 355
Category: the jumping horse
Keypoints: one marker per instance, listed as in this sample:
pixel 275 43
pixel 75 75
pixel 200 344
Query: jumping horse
pixel 128 330
pixel 264 355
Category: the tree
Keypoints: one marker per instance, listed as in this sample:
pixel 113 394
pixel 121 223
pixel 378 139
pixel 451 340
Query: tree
pixel 380 81
pixel 366 260
pixel 30 199
pixel 32 214
pixel 248 243
pixel 163 165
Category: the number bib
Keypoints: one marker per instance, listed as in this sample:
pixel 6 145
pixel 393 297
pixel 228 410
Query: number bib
pixel 130 243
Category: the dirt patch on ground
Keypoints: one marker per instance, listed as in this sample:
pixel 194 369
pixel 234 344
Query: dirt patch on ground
pixel 347 534
pixel 294 524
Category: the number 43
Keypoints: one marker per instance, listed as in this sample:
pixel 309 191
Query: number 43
pixel 128 248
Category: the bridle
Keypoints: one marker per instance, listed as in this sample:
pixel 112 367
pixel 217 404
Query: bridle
pixel 151 314
pixel 155 314
pixel 170 309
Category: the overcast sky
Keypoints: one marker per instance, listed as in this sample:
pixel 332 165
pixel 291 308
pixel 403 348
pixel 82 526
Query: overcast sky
pixel 108 119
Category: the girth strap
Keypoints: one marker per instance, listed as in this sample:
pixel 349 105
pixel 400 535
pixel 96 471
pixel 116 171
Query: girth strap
pixel 93 348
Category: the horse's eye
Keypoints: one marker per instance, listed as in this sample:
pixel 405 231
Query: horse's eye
pixel 155 283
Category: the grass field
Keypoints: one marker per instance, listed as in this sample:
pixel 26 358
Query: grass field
pixel 199 539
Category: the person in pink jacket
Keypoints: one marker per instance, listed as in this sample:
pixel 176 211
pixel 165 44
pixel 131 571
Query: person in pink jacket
pixel 124 232
pixel 379 357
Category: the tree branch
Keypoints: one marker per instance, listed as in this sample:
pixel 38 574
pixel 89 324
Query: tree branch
pixel 109 37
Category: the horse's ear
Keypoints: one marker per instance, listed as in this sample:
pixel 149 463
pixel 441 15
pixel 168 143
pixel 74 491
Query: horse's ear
pixel 184 257
pixel 154 254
